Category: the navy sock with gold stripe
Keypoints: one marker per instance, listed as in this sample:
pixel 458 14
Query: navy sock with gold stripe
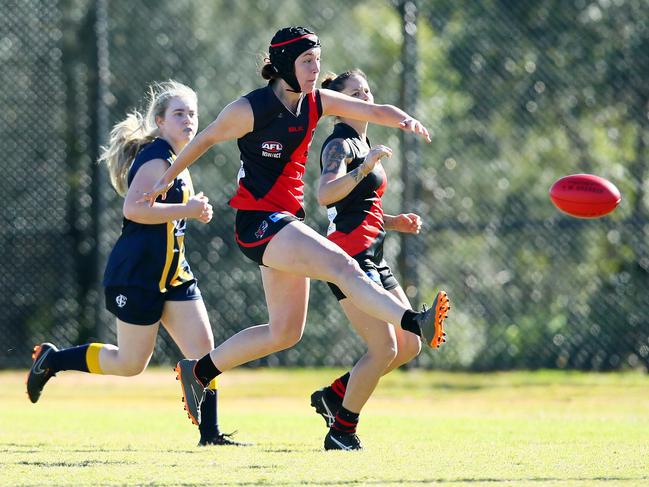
pixel 84 358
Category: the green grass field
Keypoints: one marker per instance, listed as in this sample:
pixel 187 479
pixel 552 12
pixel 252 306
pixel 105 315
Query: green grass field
pixel 420 428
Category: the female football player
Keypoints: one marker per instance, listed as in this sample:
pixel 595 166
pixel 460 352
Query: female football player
pixel 147 280
pixel 274 127
pixel 351 186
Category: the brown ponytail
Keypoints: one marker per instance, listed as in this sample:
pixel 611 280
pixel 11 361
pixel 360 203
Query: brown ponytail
pixel 337 83
pixel 268 71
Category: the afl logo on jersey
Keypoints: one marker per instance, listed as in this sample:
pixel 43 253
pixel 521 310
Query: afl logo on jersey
pixel 271 149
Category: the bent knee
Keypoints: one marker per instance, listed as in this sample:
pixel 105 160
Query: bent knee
pixel 408 350
pixel 198 348
pixel 285 338
pixel 132 368
pixel 384 351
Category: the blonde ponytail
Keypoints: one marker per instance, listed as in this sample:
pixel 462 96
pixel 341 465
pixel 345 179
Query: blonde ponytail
pixel 136 130
pixel 126 138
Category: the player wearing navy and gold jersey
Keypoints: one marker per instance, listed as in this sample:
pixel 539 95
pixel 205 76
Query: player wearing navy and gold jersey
pixel 274 127
pixel 147 279
pixel 150 257
pixel 352 184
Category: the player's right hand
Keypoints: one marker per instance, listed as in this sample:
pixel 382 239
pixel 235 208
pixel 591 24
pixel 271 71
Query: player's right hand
pixel 375 155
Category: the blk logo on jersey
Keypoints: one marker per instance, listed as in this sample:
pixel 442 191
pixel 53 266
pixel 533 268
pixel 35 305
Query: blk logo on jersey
pixel 120 300
pixel 299 128
pixel 271 149
pixel 262 229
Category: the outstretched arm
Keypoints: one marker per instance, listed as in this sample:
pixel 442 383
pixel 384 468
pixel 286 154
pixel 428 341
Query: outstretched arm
pixel 341 105
pixel 234 121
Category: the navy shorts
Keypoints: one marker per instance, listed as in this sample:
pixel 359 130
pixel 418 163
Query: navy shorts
pixel 254 229
pixel 139 306
pixel 379 273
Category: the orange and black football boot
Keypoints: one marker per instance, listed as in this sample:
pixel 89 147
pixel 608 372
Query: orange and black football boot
pixel 431 321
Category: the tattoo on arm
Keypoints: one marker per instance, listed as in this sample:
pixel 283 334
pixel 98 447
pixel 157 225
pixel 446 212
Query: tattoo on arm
pixel 357 175
pixel 334 155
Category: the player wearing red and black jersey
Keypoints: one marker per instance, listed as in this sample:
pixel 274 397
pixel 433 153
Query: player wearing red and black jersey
pixel 352 184
pixel 274 153
pixel 356 221
pixel 269 203
pixel 273 160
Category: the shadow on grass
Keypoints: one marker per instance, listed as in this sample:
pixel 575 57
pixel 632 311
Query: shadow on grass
pixel 289 450
pixel 83 463
pixel 478 386
pixel 41 448
pixel 431 481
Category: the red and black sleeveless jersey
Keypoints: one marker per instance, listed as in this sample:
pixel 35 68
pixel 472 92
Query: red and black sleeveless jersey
pixel 274 154
pixel 152 256
pixel 356 221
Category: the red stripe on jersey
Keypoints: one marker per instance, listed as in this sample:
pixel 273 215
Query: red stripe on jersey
pixel 302 151
pixel 287 194
pixel 245 200
pixel 362 237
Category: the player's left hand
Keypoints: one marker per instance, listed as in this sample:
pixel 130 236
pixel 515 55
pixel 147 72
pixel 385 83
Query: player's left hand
pixel 407 223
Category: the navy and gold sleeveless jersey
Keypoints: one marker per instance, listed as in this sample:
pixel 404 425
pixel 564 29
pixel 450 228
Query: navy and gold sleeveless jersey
pixel 274 154
pixel 356 221
pixel 152 256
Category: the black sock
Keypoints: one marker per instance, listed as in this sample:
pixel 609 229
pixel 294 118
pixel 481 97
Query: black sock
pixel 409 323
pixel 345 422
pixel 209 426
pixel 205 370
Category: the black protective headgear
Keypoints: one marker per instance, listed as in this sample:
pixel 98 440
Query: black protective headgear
pixel 285 47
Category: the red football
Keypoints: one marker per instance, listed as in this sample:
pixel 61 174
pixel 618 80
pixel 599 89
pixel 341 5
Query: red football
pixel 585 195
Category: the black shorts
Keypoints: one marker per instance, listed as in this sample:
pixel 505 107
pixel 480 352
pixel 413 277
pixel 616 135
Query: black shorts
pixel 254 229
pixel 379 273
pixel 139 306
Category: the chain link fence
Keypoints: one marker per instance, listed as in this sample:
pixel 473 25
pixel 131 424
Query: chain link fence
pixel 516 94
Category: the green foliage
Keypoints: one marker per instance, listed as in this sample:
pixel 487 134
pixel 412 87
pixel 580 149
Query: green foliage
pixel 550 88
